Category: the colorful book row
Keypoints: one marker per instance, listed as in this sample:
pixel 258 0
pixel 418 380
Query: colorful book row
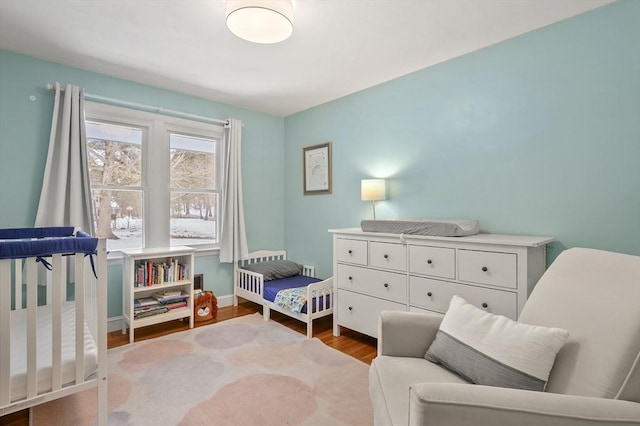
pixel 149 273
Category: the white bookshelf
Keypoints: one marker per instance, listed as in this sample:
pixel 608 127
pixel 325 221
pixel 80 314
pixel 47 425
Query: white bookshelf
pixel 135 286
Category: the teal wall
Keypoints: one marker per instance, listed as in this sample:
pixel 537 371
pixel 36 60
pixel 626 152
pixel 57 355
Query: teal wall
pixel 537 135
pixel 24 139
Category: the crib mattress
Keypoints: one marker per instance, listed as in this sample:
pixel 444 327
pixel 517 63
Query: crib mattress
pixel 424 226
pixel 19 350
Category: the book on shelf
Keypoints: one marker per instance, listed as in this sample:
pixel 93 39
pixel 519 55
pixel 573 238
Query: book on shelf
pixel 164 298
pixel 176 305
pixel 169 293
pixel 148 272
pixel 147 308
pixel 149 312
pixel 145 301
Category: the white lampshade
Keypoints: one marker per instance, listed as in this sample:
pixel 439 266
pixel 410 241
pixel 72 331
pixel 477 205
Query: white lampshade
pixel 260 21
pixel 373 190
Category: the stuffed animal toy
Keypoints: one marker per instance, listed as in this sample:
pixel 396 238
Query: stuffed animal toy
pixel 205 306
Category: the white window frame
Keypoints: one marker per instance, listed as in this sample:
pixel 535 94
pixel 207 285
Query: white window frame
pixel 155 171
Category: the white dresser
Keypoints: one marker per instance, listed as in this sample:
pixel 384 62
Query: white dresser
pixel 378 271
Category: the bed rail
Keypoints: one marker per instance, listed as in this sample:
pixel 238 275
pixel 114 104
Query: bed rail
pixel 250 286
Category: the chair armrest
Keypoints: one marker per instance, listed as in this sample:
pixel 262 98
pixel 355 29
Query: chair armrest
pixel 406 333
pixel 460 404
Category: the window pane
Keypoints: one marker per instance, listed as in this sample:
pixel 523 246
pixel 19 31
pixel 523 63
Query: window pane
pixel 194 218
pixel 193 162
pixel 118 217
pixel 114 154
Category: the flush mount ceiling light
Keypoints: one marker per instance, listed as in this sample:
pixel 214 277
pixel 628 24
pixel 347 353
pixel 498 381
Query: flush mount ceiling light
pixel 260 21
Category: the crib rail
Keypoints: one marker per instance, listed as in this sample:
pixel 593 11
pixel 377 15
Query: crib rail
pixel 31 288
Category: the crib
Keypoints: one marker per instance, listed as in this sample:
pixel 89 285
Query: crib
pixel 252 286
pixel 53 317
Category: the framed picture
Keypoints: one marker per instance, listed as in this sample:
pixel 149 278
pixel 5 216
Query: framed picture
pixel 316 169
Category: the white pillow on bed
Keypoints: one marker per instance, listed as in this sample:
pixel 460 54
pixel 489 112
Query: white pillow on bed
pixel 275 269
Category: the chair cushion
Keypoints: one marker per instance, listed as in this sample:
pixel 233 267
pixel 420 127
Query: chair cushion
pixel 390 379
pixel 494 350
pixel 595 295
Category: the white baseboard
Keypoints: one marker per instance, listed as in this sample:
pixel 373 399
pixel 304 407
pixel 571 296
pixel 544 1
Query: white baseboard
pixel 224 301
pixel 115 323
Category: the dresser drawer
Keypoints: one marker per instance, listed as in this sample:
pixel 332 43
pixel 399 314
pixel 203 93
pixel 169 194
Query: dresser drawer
pixel 420 310
pixel 435 295
pixel 433 261
pixel 485 267
pixel 361 313
pixel 388 256
pixel 385 285
pixel 352 251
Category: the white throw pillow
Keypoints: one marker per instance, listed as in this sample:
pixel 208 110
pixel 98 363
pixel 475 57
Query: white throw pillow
pixel 494 350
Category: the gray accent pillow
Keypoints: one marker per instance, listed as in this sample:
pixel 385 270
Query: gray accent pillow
pixel 494 350
pixel 275 269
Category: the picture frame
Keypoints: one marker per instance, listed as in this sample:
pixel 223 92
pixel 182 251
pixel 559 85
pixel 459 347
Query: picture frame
pixel 316 169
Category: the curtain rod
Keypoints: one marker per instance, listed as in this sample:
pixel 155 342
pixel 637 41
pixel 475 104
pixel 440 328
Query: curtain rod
pixel 152 108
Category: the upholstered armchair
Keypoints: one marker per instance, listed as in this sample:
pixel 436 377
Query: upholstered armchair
pixel 595 380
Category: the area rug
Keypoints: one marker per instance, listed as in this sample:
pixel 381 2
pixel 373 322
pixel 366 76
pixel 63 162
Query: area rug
pixel 240 372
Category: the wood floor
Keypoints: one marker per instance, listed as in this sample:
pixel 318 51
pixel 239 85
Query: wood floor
pixel 350 342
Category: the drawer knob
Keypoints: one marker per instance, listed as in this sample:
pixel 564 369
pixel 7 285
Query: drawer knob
pixel 350 251
pixel 386 284
pixel 429 294
pixel 351 308
pixel 485 269
pixel 484 305
pixel 429 261
pixel 386 256
pixel 350 278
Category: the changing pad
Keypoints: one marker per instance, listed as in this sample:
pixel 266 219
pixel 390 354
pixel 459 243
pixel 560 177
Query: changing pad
pixel 424 226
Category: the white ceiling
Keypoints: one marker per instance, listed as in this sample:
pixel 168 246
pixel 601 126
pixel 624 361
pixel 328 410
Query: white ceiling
pixel 338 46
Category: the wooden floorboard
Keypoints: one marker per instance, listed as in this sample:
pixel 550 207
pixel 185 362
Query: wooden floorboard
pixel 349 342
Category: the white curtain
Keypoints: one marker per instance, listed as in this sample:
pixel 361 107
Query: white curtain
pixel 233 241
pixel 65 199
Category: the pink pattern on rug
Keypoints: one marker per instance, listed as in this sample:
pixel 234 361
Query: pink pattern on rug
pixel 268 356
pixel 153 352
pixel 348 400
pixel 265 399
pixel 317 352
pixel 276 377
pixel 226 337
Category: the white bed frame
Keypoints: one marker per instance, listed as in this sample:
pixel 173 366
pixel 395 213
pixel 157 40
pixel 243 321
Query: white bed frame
pixel 250 285
pixel 90 309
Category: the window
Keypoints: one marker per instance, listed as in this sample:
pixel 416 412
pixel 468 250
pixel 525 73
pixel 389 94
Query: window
pixel 155 180
pixel 115 169
pixel 194 200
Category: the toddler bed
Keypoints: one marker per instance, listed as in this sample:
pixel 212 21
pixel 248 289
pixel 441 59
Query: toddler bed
pixel 269 279
pixel 52 344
